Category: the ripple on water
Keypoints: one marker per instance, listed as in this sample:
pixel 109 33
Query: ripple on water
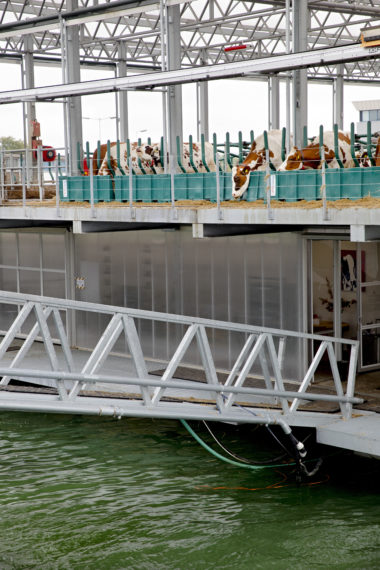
pixel 79 492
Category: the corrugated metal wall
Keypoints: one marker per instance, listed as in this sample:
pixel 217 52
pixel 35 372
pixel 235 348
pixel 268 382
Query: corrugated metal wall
pixel 253 279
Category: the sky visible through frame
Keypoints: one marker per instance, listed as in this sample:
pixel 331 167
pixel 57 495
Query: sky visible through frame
pixel 234 105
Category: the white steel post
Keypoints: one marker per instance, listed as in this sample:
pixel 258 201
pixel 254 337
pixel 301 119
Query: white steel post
pixel 131 208
pixel 57 210
pixel 202 104
pixel 40 173
pixel 74 106
pixel 300 22
pixel 123 95
pixel 93 213
pixel 217 172
pixel 338 96
pixel 174 105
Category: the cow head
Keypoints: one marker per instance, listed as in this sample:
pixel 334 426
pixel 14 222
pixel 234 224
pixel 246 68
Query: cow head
pixel 240 174
pixel 363 158
pixel 240 179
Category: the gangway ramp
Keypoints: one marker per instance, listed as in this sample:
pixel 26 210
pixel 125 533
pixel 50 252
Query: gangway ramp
pixel 36 350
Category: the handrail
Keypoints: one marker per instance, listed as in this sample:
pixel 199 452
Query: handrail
pixel 259 347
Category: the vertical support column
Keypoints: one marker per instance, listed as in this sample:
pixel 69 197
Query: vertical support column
pixel 174 91
pixel 202 104
pixel 74 117
pixel 300 24
pixel 274 102
pixel 338 96
pixel 123 95
pixel 30 106
pixel 29 84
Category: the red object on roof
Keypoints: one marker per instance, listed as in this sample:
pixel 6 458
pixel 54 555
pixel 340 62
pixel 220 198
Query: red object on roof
pixel 235 48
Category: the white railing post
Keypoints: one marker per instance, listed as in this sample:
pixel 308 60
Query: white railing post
pixel 93 213
pixel 172 189
pixel 40 173
pixel 23 182
pixel 132 210
pixel 2 178
pixel 323 187
pixel 268 187
pixel 57 197
pixel 219 211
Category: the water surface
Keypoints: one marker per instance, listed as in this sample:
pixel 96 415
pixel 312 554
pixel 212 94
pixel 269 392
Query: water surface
pixel 79 492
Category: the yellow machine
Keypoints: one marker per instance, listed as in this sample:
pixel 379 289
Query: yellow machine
pixel 370 36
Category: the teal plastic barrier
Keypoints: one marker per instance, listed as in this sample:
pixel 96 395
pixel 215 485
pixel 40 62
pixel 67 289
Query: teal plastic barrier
pixel 353 183
pixel 77 189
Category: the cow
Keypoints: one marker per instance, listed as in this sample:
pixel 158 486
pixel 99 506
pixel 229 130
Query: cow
pixel 155 154
pixel 148 157
pixel 309 157
pixel 377 153
pixel 137 152
pixel 256 160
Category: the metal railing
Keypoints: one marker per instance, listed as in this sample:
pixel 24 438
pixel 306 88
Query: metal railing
pixel 24 173
pixel 40 319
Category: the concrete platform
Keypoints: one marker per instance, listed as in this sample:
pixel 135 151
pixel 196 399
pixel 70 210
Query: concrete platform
pixel 361 434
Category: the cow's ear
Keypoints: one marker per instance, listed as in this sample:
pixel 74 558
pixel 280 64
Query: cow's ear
pixel 246 170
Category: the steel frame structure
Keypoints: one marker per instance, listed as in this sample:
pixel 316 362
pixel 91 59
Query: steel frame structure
pixel 196 39
pixel 262 345
pixel 207 27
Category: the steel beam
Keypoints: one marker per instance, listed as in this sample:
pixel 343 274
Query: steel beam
pixel 202 105
pixel 149 81
pixel 123 95
pixel 74 108
pixel 174 93
pixel 300 22
pixel 274 102
pixel 338 97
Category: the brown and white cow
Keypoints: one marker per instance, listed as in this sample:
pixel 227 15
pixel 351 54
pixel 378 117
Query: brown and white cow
pixel 310 156
pixel 140 154
pixel 256 160
pixel 149 156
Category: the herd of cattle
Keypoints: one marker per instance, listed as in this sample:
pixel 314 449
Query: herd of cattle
pixel 146 158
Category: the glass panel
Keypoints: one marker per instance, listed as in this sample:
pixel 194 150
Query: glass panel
pixel 370 337
pixel 53 251
pixel 8 279
pixel 373 115
pixel 254 279
pixel 29 249
pixel 323 283
pixel 54 284
pixel 364 115
pixel 30 282
pixel 8 249
pixel 370 262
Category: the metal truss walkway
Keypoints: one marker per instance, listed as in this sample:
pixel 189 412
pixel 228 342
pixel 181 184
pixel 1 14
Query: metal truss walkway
pixel 35 349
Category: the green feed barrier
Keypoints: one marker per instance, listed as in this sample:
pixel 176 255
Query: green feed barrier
pixel 77 189
pixel 353 183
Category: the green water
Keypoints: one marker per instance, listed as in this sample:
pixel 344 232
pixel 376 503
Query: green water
pixel 78 492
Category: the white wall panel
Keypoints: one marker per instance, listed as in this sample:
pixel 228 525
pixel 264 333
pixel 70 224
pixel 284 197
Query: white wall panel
pixel 253 279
